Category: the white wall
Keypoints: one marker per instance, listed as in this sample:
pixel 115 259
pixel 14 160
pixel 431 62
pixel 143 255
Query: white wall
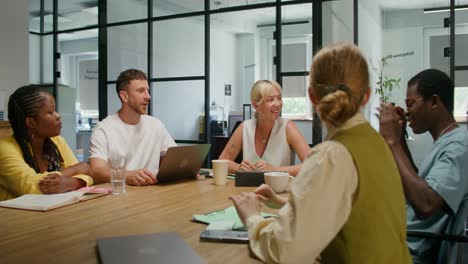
pixel 14 48
pixel 226 63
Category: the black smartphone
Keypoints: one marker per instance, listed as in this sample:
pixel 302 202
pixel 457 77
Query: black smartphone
pixel 204 173
pixel 230 236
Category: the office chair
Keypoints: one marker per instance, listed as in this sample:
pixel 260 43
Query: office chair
pixel 454 241
pixel 239 157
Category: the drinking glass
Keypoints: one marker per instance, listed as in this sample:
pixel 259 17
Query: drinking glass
pixel 117 175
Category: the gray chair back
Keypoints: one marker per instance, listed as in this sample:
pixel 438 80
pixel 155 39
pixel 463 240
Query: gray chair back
pixel 454 252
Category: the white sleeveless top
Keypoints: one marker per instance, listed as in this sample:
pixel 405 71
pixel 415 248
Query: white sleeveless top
pixel 277 152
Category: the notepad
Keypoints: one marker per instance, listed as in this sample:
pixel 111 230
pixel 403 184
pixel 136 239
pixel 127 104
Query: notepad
pixel 228 215
pixel 46 202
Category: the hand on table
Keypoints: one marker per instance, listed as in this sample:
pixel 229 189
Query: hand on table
pixel 56 183
pixel 141 177
pixel 246 204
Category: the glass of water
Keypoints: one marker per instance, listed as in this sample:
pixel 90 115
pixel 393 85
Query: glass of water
pixel 117 175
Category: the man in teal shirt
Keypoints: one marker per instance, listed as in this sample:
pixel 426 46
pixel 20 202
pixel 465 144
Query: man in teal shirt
pixel 435 191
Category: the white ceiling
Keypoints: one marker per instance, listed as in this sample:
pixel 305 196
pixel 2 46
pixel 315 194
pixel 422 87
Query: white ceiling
pixel 414 4
pixel 73 11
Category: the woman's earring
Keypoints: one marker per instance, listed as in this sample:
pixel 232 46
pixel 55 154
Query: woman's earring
pixel 32 136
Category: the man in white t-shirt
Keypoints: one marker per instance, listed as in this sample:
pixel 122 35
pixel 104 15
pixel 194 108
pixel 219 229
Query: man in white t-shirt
pixel 130 133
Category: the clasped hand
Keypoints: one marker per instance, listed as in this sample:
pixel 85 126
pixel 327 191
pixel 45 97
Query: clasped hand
pixel 392 122
pixel 56 183
pixel 257 166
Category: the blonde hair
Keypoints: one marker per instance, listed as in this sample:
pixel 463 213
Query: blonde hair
pixel 339 79
pixel 260 88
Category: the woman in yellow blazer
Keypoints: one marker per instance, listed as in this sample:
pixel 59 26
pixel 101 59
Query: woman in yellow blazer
pixel 36 159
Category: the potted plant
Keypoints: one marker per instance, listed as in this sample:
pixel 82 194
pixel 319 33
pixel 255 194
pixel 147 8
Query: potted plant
pixel 385 84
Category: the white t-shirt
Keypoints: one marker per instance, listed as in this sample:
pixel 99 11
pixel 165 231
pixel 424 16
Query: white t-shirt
pixel 141 144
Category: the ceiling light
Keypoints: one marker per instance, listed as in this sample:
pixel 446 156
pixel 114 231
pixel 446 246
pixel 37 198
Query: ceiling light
pixel 444 9
pixel 48 19
pixel 92 10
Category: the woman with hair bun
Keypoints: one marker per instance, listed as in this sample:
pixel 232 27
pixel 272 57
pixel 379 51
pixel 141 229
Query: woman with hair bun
pixel 36 159
pixel 346 205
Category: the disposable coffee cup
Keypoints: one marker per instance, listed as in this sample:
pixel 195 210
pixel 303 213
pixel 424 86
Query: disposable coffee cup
pixel 220 171
pixel 278 181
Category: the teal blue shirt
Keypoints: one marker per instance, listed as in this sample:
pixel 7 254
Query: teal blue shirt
pixel 445 170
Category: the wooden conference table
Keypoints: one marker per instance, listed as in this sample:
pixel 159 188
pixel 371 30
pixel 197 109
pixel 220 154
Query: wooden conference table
pixel 68 234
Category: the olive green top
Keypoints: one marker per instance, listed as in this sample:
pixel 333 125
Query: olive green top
pixel 375 231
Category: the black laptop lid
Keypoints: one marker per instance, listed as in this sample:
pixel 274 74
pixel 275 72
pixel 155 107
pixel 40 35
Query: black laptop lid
pixel 164 248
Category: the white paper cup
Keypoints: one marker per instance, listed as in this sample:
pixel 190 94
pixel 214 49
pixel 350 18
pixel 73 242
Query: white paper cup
pixel 220 171
pixel 278 181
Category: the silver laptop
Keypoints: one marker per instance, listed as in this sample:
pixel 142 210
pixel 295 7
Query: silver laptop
pixel 161 248
pixel 182 162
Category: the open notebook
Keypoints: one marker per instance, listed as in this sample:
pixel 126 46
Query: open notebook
pixel 46 202
pixel 228 215
pixel 224 226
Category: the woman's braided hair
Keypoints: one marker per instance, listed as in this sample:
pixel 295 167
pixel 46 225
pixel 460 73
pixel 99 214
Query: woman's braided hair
pixel 26 102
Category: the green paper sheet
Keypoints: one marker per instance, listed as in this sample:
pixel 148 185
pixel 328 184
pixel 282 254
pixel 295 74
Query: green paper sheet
pixel 228 214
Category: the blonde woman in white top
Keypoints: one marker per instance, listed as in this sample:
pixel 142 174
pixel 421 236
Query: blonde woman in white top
pixel 267 141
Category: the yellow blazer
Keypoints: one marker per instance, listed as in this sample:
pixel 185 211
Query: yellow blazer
pixel 18 178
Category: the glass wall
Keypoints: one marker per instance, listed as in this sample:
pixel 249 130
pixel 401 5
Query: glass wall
pixel 179 105
pixel 76 53
pixel 296 58
pixel 179 47
pixel 127 47
pixel 48 16
pixel 179 53
pixel 172 7
pixel 77 14
pixel 214 4
pixel 461 66
pixel 175 47
pixel 77 92
pixel 412 37
pixel 238 57
pixel 126 10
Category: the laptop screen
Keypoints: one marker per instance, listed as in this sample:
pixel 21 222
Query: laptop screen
pixel 182 162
